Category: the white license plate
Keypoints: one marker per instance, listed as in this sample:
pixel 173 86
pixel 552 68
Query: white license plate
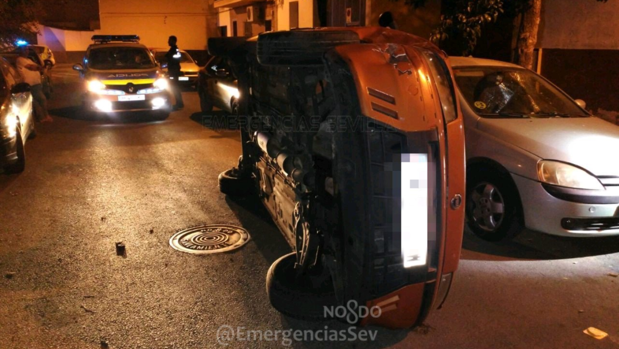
pixel 183 78
pixel 131 98
pixel 414 214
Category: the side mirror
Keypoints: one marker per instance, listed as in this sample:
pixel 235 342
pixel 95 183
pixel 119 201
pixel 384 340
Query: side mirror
pixel 581 103
pixel 386 20
pixel 78 67
pixel 22 87
pixel 222 73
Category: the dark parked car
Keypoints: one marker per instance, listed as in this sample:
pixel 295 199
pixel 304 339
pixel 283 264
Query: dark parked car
pixel 217 86
pixel 16 121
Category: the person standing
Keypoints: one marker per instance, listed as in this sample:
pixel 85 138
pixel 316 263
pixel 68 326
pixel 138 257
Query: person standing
pixel 31 73
pixel 173 56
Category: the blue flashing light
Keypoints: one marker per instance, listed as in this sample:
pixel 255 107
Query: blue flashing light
pixel 21 42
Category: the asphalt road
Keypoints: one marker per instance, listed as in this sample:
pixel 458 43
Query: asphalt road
pixel 91 183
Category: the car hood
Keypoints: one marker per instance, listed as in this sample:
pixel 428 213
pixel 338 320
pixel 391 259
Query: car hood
pixel 190 67
pixel 590 142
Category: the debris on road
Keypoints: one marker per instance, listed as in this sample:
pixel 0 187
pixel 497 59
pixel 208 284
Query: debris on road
pixel 595 333
pixel 580 311
pixel 89 296
pixel 613 275
pixel 103 219
pixel 87 310
pixel 10 274
pixel 104 345
pixel 152 230
pixel 120 249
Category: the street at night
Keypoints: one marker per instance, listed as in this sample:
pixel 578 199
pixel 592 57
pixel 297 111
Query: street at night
pixel 90 183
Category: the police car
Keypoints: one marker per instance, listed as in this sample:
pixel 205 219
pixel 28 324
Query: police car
pixel 121 75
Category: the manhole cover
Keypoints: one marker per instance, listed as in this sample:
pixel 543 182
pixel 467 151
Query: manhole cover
pixel 208 239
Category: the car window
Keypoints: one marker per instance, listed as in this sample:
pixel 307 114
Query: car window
pixel 160 57
pixel 14 74
pixel 4 89
pixel 38 49
pixel 512 92
pixel 9 73
pixel 110 58
pixel 218 63
pixel 185 57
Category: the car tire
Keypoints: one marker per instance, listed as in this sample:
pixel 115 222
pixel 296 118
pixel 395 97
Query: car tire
pixel 33 130
pixel 493 208
pixel 292 48
pixel 233 183
pixel 20 165
pixel 302 296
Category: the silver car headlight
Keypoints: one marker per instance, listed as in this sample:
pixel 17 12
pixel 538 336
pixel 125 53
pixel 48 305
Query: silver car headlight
pixel 566 175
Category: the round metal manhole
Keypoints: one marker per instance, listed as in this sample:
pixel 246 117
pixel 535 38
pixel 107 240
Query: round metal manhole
pixel 207 239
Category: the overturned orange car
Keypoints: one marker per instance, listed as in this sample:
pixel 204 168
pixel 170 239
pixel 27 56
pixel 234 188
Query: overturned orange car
pixel 352 139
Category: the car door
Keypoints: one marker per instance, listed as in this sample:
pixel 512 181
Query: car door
pixel 21 101
pixel 221 83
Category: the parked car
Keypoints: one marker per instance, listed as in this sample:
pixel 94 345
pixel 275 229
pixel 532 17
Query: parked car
pixel 16 121
pixel 217 86
pixel 535 157
pixel 121 75
pixel 45 54
pixel 46 74
pixel 351 135
pixel 189 67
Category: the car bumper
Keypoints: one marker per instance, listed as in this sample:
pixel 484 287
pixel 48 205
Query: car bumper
pixel 114 104
pixel 549 211
pixel 8 151
pixel 188 79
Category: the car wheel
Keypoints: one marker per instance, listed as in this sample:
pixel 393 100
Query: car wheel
pixel 233 182
pixel 493 208
pixel 300 47
pixel 33 130
pixel 20 164
pixel 206 105
pixel 298 295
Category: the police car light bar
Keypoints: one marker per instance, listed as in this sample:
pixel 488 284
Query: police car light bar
pixel 101 39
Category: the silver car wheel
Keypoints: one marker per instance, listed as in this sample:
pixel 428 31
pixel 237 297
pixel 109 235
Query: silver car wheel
pixel 488 206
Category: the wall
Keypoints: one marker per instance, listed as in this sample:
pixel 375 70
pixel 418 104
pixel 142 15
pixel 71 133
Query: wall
pixel 580 50
pixel 306 14
pixel 579 24
pixel 154 21
pixel 68 45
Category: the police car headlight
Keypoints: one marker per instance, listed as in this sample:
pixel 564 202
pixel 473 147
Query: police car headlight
pixel 161 84
pixel 95 86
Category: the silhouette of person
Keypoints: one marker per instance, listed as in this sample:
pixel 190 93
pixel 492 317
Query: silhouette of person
pixel 173 56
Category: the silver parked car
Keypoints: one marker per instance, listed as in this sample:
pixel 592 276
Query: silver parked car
pixel 535 156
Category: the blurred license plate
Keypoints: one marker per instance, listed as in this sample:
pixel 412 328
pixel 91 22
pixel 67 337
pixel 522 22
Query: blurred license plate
pixel 183 78
pixel 131 98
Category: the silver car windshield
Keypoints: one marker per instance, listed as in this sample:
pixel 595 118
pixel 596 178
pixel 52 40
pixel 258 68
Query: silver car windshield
pixel 512 92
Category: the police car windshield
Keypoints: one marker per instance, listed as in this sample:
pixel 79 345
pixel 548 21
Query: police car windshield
pixel 112 58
